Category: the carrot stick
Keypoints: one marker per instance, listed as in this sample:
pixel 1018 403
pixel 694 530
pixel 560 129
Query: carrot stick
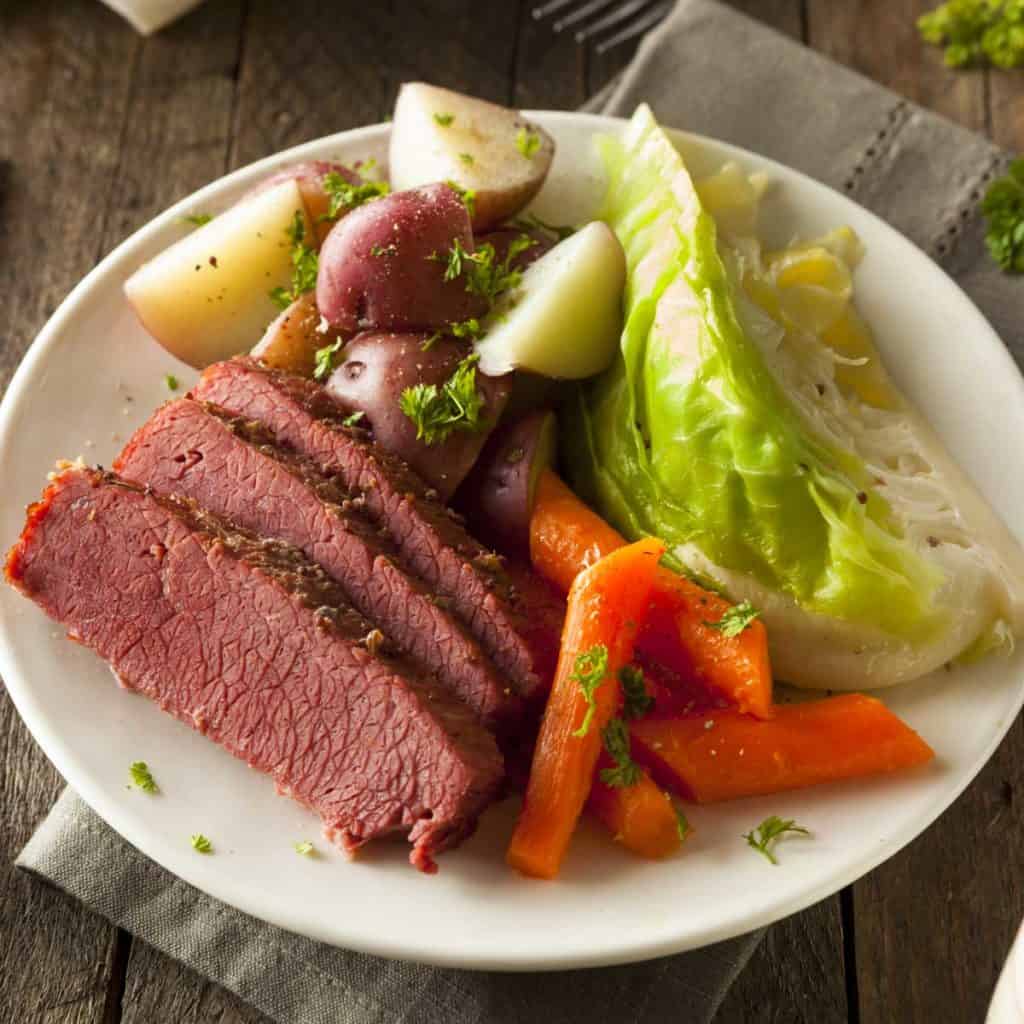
pixel 566 537
pixel 641 816
pixel 723 755
pixel 605 605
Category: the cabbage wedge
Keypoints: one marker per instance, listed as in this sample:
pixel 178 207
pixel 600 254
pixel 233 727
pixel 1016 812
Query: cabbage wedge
pixel 749 423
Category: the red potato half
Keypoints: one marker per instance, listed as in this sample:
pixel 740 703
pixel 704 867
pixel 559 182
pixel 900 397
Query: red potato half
pixel 291 341
pixel 497 497
pixel 440 135
pixel 377 367
pixel 309 176
pixel 383 266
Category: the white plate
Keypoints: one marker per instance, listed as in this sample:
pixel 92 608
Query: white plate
pixel 93 375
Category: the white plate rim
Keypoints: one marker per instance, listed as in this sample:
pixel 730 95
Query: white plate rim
pixel 399 947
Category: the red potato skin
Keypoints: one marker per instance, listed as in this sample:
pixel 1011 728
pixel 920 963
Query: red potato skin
pixel 497 496
pixel 309 177
pixel 378 367
pixel 382 267
pixel 503 237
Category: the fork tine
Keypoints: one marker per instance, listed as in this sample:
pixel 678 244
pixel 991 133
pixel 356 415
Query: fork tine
pixel 636 28
pixel 551 7
pixel 621 13
pixel 577 15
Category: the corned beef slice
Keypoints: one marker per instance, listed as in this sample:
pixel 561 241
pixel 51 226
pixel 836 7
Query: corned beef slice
pixel 253 645
pixel 433 544
pixel 234 469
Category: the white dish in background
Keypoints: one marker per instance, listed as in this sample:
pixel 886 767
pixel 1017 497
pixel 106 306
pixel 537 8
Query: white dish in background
pixel 93 375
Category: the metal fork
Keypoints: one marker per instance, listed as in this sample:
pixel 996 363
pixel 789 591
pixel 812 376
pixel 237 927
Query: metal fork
pixel 626 19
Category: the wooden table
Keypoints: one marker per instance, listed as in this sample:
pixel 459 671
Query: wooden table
pixel 100 130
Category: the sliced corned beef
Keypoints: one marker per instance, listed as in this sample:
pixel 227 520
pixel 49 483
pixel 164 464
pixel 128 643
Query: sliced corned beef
pixel 235 469
pixel 503 615
pixel 250 643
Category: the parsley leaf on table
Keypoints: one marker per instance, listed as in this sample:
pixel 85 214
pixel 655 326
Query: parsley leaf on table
pixel 977 32
pixel 1003 208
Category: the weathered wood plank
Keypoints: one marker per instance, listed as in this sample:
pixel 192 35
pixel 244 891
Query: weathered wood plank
pixel 550 69
pixel 935 923
pixel 796 974
pixel 160 989
pixel 1006 108
pixel 345 72
pixel 879 38
pixel 67 71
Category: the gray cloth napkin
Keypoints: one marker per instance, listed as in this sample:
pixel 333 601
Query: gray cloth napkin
pixel 709 70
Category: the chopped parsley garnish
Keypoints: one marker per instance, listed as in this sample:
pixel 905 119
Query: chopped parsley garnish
pixel 636 701
pixel 735 620
pixel 304 265
pixel 626 772
pixel 465 328
pixel 439 411
pixel 773 828
pixel 485 275
pixel 977 32
pixel 527 142
pixel 430 341
pixel 197 219
pixel 1003 208
pixel 325 359
pixel 467 159
pixel 444 119
pixel 201 844
pixel 384 250
pixel 589 672
pixel 466 195
pixel 352 419
pixel 305 848
pixel 683 826
pixel 342 195
pixel 171 381
pixel 142 777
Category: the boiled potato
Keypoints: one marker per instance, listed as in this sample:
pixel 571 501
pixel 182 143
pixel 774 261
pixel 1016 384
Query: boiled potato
pixel 565 317
pixel 207 297
pixel 309 176
pixel 293 338
pixel 377 367
pixel 439 135
pixel 383 267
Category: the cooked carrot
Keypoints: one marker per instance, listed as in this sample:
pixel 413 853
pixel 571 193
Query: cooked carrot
pixel 641 816
pixel 566 537
pixel 723 755
pixel 606 602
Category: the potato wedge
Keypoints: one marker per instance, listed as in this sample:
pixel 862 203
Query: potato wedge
pixel 291 341
pixel 440 135
pixel 207 297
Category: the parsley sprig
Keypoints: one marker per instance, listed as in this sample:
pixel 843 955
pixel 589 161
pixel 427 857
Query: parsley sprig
pixel 977 32
pixel 324 359
pixel 636 701
pixel 589 671
pixel 439 411
pixel 444 119
pixel 769 832
pixel 735 620
pixel 484 273
pixel 1003 208
pixel 626 772
pixel 201 844
pixel 305 848
pixel 143 778
pixel 304 265
pixel 467 196
pixel 342 195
